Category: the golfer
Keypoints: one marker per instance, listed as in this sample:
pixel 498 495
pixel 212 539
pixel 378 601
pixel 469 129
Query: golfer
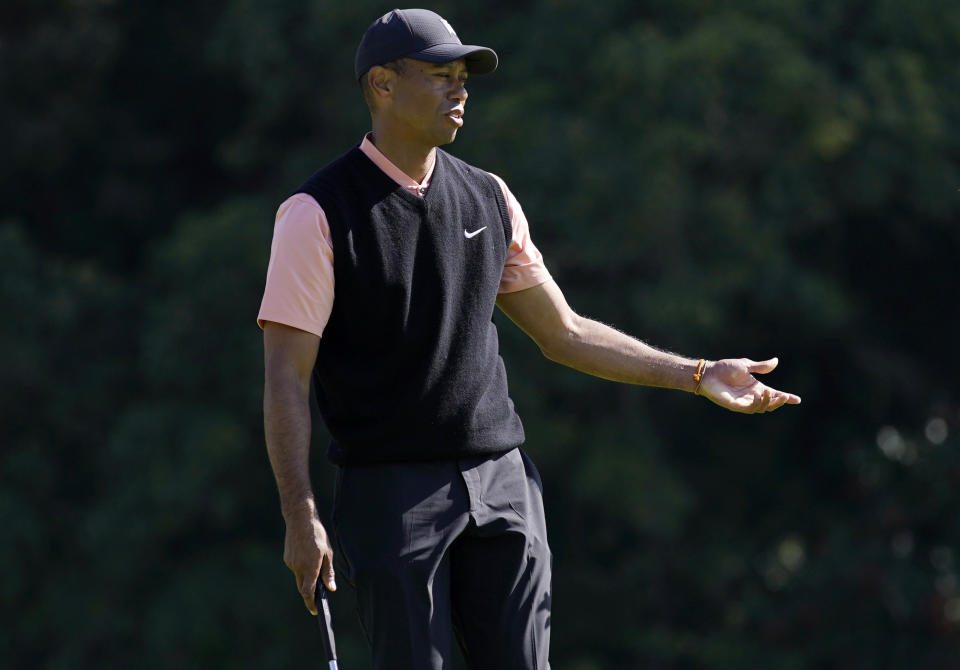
pixel 385 268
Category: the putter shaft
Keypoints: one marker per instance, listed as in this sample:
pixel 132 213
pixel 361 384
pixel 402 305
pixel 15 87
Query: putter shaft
pixel 326 626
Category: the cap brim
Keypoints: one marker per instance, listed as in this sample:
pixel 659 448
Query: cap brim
pixel 480 60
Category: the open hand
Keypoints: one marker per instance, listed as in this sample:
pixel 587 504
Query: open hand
pixel 731 384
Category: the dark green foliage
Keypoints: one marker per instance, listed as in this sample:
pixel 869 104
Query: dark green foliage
pixel 719 178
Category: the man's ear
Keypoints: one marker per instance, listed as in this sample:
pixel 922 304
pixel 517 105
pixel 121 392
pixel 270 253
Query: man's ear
pixel 382 82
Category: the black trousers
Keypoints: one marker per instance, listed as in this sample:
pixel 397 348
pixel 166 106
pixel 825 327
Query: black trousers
pixel 442 548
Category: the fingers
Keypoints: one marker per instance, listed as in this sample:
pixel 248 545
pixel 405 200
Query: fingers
pixel 762 367
pixel 326 572
pixel 775 399
pixel 308 586
pixel 754 400
pixel 765 399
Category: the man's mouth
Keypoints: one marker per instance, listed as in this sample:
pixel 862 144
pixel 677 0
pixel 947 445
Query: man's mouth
pixel 456 115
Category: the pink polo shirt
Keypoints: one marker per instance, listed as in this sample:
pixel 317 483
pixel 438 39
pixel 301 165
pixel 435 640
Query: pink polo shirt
pixel 300 288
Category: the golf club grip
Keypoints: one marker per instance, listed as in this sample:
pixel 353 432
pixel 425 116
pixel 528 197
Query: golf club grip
pixel 326 625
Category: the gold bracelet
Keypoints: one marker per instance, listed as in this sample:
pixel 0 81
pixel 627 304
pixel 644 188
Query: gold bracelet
pixel 698 375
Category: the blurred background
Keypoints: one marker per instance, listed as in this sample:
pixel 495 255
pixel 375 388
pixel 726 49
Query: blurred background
pixel 749 178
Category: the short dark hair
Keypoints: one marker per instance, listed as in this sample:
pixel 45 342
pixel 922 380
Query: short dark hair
pixel 394 65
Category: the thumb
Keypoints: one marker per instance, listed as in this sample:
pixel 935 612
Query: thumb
pixel 326 573
pixel 762 367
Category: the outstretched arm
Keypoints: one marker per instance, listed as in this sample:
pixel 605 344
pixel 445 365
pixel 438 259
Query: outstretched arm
pixel 592 347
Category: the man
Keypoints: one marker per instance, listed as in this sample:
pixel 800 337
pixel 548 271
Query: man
pixel 437 516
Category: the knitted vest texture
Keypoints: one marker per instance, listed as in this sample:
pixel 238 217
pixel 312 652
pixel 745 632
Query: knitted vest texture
pixel 408 366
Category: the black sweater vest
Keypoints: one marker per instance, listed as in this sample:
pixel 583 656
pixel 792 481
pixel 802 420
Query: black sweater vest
pixel 408 366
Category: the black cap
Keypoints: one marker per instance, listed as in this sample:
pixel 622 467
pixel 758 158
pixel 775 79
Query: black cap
pixel 419 34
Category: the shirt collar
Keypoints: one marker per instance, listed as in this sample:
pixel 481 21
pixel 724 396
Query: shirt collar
pixel 392 171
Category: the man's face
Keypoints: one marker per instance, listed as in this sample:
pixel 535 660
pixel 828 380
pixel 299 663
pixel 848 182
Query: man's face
pixel 429 99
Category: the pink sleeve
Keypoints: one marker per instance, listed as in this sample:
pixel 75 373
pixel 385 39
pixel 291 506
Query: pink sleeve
pixel 299 287
pixel 524 267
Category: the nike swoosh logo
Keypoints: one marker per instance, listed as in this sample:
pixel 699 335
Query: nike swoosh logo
pixel 474 233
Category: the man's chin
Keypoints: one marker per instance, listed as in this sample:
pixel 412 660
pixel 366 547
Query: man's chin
pixel 448 138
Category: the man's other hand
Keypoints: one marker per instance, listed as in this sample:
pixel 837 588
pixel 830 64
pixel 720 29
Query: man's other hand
pixel 307 552
pixel 730 383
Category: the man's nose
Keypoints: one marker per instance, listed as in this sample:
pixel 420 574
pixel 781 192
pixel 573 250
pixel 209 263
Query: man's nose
pixel 460 92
